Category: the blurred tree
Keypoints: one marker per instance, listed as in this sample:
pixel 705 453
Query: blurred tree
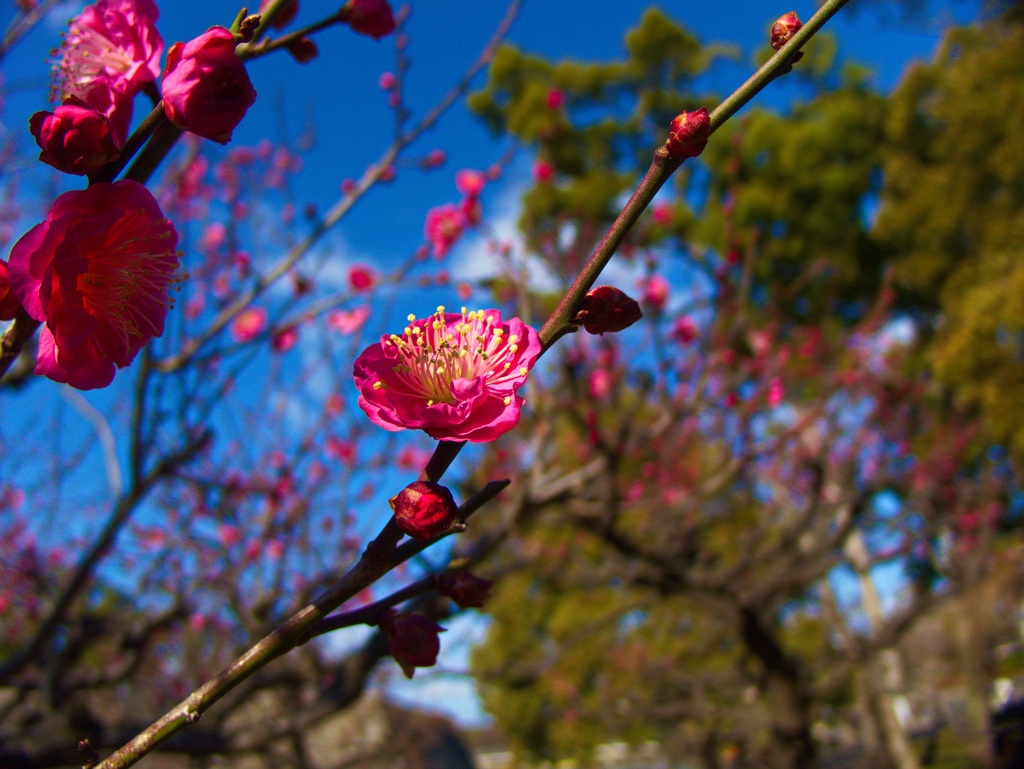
pixel 680 553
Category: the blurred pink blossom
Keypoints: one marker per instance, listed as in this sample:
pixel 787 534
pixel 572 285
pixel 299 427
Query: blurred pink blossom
pixel 248 324
pixel 655 291
pixel 348 321
pixel 445 225
pixel 361 278
pixel 543 171
pixel 284 339
pixel 469 182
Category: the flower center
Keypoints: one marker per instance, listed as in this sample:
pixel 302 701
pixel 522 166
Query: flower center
pixel 437 351
pixel 127 278
pixel 87 55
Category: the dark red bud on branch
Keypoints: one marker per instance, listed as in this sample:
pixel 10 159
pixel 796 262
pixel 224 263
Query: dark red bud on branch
pixel 303 49
pixel 424 510
pixel 413 639
pixel 368 17
pixel 784 29
pixel 285 16
pixel 688 134
pixel 605 308
pixel 467 590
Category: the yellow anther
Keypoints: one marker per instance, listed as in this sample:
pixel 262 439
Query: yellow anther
pixel 523 370
pixel 508 400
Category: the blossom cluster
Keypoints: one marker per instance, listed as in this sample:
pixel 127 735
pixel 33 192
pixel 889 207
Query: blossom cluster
pixel 447 223
pixel 98 270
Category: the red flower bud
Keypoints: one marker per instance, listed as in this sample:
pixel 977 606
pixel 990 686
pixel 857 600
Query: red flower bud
pixel 285 16
pixel 684 329
pixel 605 308
pixel 303 49
pixel 424 510
pixel 206 89
pixel 784 29
pixel 413 639
pixel 688 134
pixel 467 590
pixel 74 138
pixel 369 17
pixel 9 304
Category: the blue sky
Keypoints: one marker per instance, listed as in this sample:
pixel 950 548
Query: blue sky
pixel 338 95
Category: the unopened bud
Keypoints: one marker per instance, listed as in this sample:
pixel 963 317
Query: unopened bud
pixel 467 590
pixel 368 17
pixel 303 49
pixel 688 134
pixel 413 639
pixel 284 16
pixel 247 28
pixel 424 510
pixel 605 308
pixel 784 29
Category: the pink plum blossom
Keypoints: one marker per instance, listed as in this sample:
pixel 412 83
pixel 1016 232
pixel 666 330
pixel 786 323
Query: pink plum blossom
pixel 655 291
pixel 555 98
pixel 206 89
pixel 115 39
pixel 361 278
pixel 340 450
pixel 284 339
pixel 113 100
pixel 248 324
pixel 470 183
pixel 455 376
pixel 348 321
pixel 229 534
pixel 96 272
pixel 600 383
pixel 434 159
pixel 445 225
pixel 543 171
pixel 684 329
